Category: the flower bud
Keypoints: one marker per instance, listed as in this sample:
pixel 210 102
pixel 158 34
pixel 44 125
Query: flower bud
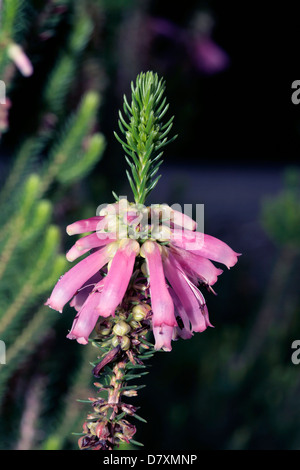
pixel 102 431
pixel 83 442
pixel 128 409
pixel 115 341
pixel 144 269
pixel 140 311
pixel 125 343
pixel 112 248
pixel 98 385
pixel 109 265
pixel 92 428
pixel 128 429
pixel 85 427
pixel 147 247
pixel 134 324
pixel 121 328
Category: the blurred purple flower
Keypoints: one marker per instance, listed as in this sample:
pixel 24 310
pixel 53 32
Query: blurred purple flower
pixel 207 56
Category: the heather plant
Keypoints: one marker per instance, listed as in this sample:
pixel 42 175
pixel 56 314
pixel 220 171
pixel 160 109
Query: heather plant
pixel 141 275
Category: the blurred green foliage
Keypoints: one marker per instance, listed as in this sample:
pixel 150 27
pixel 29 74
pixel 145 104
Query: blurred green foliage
pixel 281 216
pixel 45 164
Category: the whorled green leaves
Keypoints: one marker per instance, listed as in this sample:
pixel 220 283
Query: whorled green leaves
pixel 145 133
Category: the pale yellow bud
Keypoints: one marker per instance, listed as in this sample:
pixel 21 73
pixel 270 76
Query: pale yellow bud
pixel 134 324
pixel 109 265
pixel 144 269
pixel 147 248
pixel 140 311
pixel 121 328
pixel 112 248
pixel 161 233
pixel 115 341
pixel 128 243
pixel 124 242
pixel 123 205
pixel 125 343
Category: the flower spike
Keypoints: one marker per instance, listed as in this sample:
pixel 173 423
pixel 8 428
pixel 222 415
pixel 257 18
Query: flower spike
pixel 141 274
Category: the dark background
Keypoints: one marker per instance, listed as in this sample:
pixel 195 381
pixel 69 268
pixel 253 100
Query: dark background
pixel 242 115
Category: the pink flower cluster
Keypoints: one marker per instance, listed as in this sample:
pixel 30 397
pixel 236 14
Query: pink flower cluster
pixel 174 257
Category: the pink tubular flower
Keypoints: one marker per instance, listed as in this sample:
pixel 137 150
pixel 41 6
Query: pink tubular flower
pixel 170 216
pixel 69 284
pixel 163 320
pixel 85 244
pixel 189 296
pixel 185 258
pixel 86 319
pixel 183 330
pixel 118 277
pixel 205 246
pixel 89 291
pixel 83 226
pixel 169 260
pixel 81 296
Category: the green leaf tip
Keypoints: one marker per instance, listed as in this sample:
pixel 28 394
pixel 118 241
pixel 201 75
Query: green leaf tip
pixel 145 133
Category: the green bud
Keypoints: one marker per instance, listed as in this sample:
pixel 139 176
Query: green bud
pixel 92 428
pixel 140 311
pixel 121 328
pixel 125 343
pixel 115 341
pixel 144 269
pixel 134 324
